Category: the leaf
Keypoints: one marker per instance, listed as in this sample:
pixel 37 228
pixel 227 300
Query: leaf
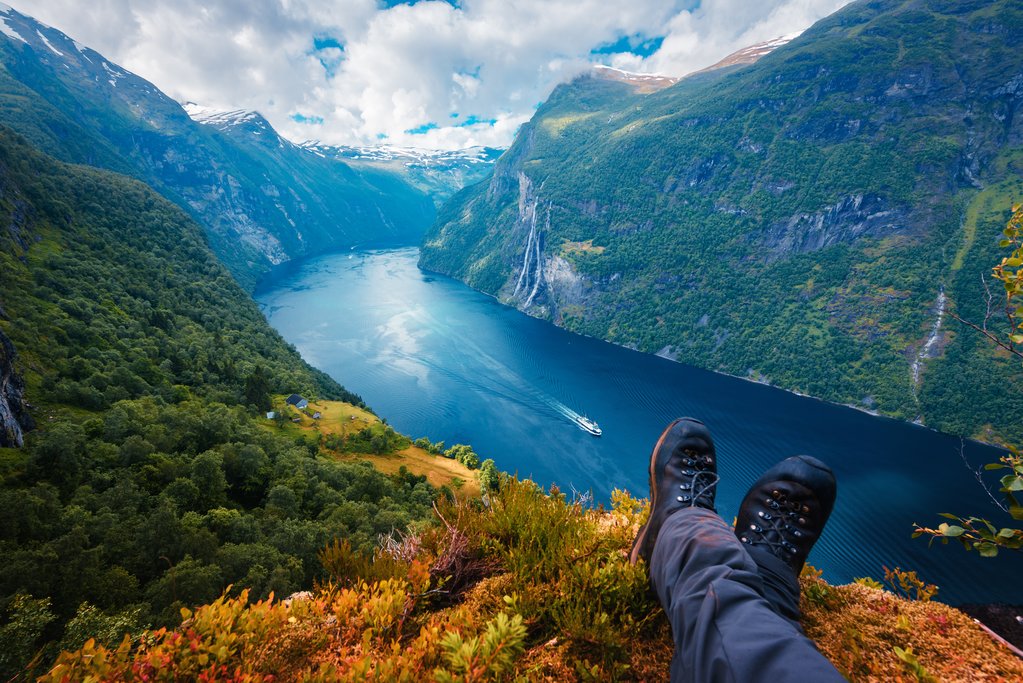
pixel 1007 533
pixel 1016 511
pixel 952 531
pixel 1011 482
pixel 987 549
pixel 994 466
pixel 1005 243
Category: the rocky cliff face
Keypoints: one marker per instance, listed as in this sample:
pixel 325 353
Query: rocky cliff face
pixel 790 221
pixel 546 283
pixel 846 221
pixel 14 415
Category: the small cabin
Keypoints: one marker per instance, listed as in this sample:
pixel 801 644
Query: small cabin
pixel 297 401
pixel 271 415
pixel 316 416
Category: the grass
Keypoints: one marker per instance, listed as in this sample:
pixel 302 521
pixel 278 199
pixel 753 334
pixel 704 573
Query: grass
pixel 342 419
pixel 568 247
pixel 12 462
pixel 546 582
pixel 556 125
pixel 995 200
pixel 439 471
pixel 336 417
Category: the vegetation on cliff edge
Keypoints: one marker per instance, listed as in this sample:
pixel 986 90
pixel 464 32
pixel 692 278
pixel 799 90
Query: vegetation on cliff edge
pixel 529 587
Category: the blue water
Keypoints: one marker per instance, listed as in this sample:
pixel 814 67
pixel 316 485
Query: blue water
pixel 438 359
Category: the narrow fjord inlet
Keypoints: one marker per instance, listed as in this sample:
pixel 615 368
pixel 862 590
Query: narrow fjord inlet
pixel 441 360
pixel 576 340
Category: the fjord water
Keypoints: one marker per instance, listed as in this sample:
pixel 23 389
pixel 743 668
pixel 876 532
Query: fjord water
pixel 438 359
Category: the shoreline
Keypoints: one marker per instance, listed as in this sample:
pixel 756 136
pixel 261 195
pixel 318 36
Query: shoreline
pixel 795 392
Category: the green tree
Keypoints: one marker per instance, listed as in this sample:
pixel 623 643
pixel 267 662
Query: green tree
pixel 257 388
pixel 489 476
pixel 26 620
pixel 464 454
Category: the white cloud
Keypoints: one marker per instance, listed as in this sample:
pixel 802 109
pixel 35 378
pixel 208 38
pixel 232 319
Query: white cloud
pixel 407 67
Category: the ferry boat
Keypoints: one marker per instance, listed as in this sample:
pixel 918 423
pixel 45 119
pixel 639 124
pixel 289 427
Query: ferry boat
pixel 589 425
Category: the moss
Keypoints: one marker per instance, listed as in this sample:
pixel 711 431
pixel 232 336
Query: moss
pixel 859 627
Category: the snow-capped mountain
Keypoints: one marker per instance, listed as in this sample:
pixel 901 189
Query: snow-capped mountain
pixel 218 118
pixel 261 199
pixel 751 53
pixel 651 82
pixel 410 156
pixel 439 173
pixel 640 81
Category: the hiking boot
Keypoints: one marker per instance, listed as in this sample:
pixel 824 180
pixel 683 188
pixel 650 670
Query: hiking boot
pixel 683 473
pixel 786 509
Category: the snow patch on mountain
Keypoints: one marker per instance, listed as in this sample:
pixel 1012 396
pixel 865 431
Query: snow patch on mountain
pixel 114 74
pixel 49 44
pixel 752 53
pixel 81 49
pixel 644 82
pixel 8 30
pixel 209 115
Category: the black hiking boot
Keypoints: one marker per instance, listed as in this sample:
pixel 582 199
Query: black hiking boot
pixel 683 473
pixel 785 511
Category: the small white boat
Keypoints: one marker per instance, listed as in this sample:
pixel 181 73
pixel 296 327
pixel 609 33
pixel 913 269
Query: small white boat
pixel 588 425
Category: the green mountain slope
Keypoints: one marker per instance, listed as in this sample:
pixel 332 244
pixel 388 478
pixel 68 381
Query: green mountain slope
pixel 152 480
pixel 262 199
pixel 804 221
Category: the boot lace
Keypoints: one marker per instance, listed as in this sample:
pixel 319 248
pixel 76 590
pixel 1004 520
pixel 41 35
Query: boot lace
pixel 701 483
pixel 778 525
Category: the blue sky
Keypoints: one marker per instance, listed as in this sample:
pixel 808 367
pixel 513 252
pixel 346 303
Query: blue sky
pixel 430 73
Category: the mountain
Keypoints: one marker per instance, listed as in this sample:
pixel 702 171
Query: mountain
pixel 153 480
pixel 808 220
pixel 438 173
pixel 646 83
pixel 262 199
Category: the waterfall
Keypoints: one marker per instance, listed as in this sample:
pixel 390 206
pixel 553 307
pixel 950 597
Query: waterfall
pixel 538 275
pixel 530 279
pixel 527 254
pixel 932 340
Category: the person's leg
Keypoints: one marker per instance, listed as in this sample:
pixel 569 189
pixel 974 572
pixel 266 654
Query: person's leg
pixel 727 625
pixel 780 519
pixel 724 627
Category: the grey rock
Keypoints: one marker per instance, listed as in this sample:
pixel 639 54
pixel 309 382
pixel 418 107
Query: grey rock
pixel 14 416
pixel 849 219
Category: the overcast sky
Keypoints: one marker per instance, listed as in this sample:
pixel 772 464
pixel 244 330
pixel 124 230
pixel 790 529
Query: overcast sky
pixel 428 74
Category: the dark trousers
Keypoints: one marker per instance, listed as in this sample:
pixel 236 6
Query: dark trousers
pixel 733 617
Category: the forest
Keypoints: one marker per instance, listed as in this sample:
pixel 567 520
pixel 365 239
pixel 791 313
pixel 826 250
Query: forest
pixel 150 484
